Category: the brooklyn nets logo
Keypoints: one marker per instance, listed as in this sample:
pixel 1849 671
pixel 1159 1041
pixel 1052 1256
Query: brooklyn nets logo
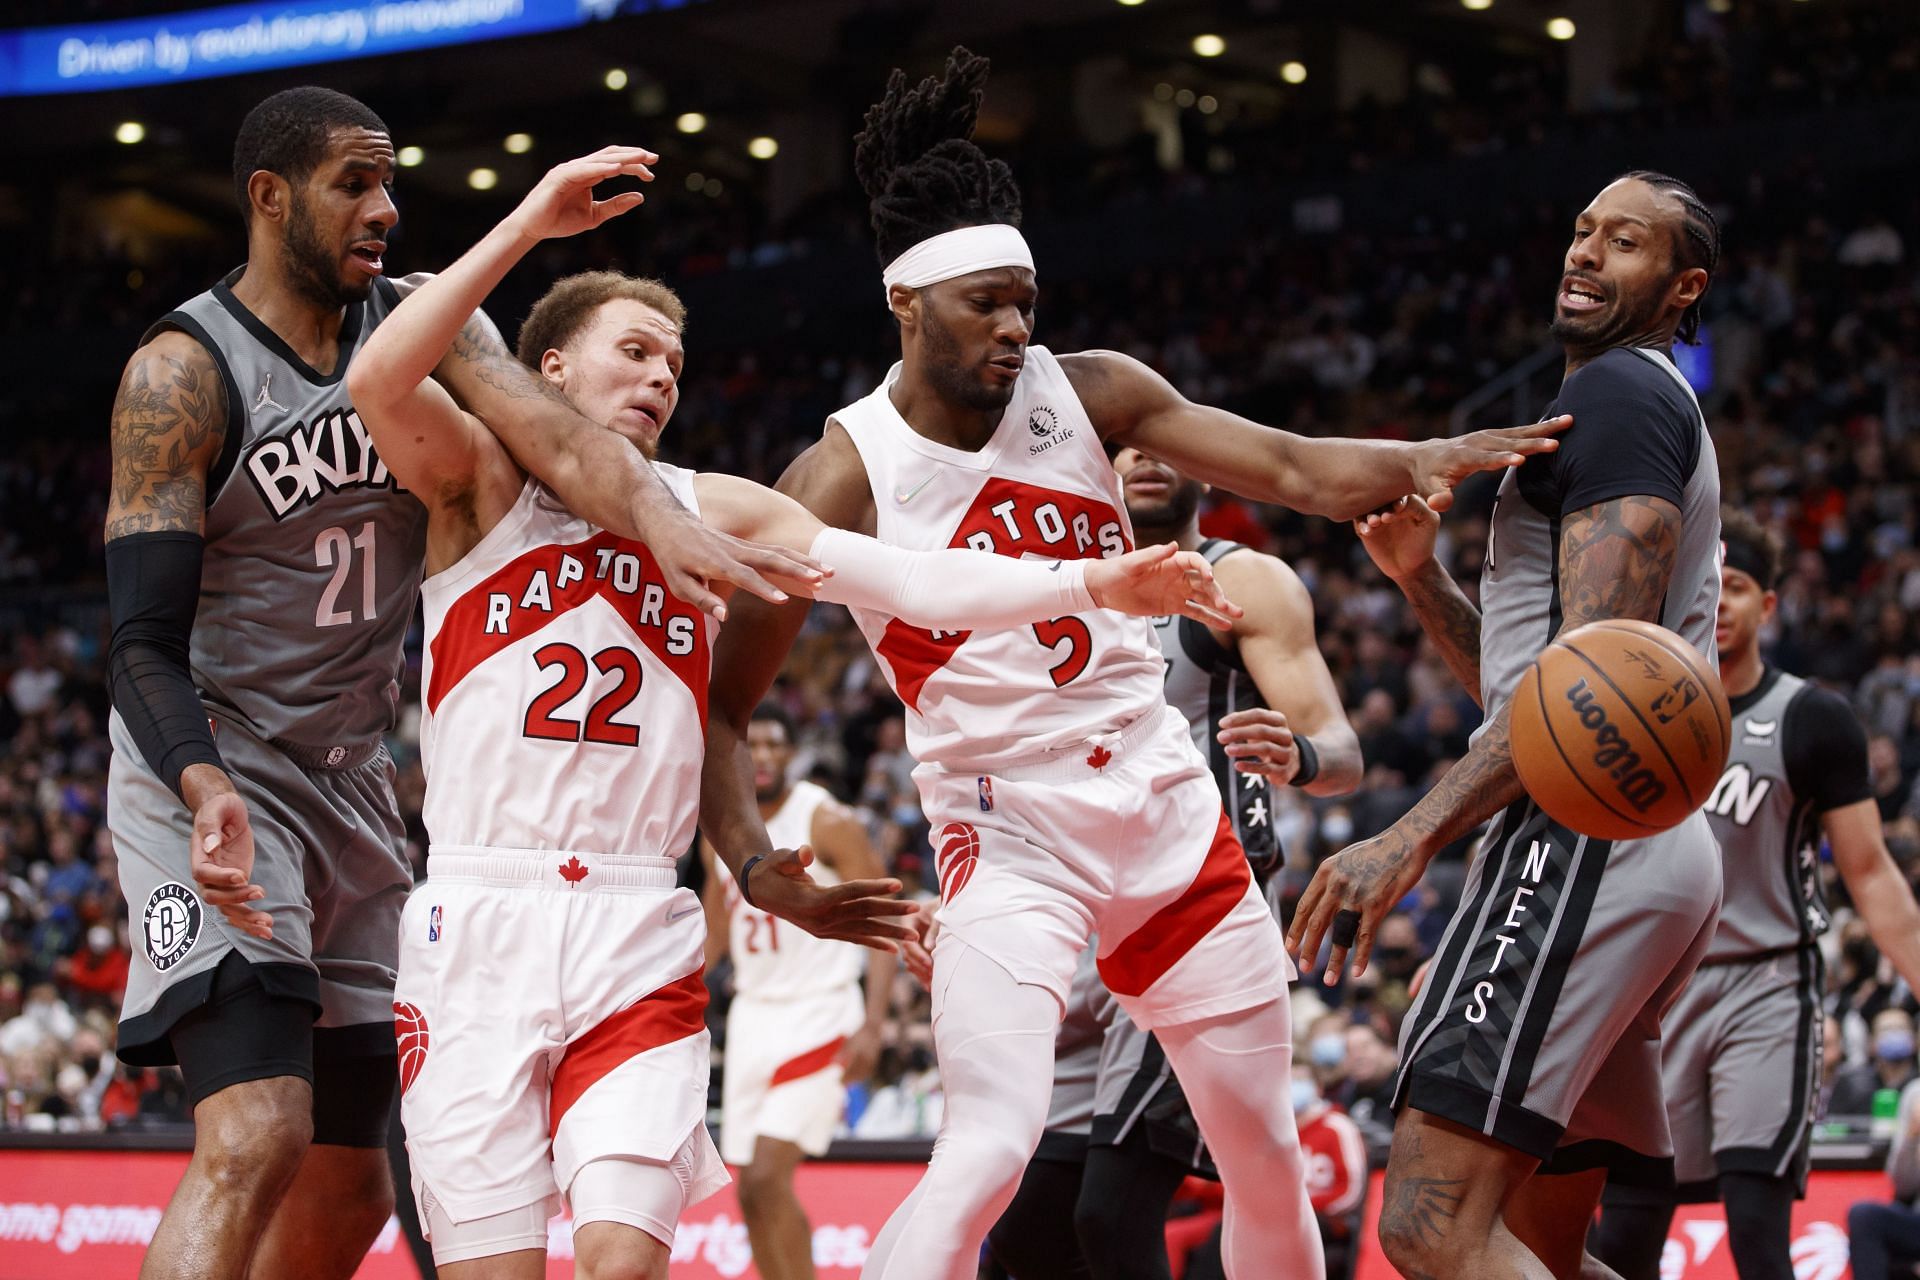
pixel 171 923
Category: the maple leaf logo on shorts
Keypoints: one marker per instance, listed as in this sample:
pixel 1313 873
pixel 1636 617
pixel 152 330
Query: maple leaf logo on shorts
pixel 573 871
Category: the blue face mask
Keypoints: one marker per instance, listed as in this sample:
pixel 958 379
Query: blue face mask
pixel 1304 1095
pixel 1893 1046
pixel 1327 1051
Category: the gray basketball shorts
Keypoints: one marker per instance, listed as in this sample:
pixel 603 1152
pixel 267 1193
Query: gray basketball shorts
pixel 329 849
pixel 1742 1061
pixel 1539 1023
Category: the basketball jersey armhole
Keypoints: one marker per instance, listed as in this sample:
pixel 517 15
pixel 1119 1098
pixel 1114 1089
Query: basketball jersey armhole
pixel 476 559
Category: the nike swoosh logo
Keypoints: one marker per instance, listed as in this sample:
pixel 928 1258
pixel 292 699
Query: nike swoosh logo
pixel 681 915
pixel 904 496
pixel 1761 728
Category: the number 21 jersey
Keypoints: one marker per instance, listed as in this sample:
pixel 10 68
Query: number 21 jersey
pixel 1042 487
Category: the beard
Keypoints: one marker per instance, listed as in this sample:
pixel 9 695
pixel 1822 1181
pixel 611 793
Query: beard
pixel 950 376
pixel 1613 327
pixel 314 267
pixel 1172 513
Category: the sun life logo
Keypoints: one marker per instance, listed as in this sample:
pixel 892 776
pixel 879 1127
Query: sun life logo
pixel 1044 424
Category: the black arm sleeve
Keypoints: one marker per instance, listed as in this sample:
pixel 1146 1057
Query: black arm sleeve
pixel 153 590
pixel 1633 434
pixel 1826 751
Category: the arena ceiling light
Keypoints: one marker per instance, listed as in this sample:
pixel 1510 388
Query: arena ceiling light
pixel 690 122
pixel 518 144
pixel 1293 72
pixel 409 157
pixel 129 132
pixel 1131 4
pixel 615 79
pixel 483 179
pixel 763 148
pixel 1209 45
pixel 1476 5
pixel 1560 28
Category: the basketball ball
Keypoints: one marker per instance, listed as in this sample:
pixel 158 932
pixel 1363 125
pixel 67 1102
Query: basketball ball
pixel 1620 729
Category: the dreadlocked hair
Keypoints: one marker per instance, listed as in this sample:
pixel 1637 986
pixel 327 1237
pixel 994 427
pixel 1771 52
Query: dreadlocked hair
pixel 1696 244
pixel 917 162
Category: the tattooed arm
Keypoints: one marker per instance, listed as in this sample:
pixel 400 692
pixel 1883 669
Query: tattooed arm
pixel 169 425
pixel 1616 560
pixel 1401 541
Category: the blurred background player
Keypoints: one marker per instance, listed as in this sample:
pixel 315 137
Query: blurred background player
pixel 1530 1072
pixel 1048 756
pixel 799 1029
pixel 578 1073
pixel 1264 710
pixel 1742 1048
pixel 262 568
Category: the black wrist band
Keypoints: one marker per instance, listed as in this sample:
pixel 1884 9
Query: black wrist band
pixel 1309 761
pixel 746 870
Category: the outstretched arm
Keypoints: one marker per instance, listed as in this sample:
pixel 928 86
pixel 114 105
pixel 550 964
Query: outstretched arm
pixel 1132 405
pixel 1880 893
pixel 1616 559
pixel 596 473
pixel 1401 541
pixel 957 588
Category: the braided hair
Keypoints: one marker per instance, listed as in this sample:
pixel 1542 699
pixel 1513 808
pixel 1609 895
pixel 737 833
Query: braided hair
pixel 1695 244
pixel 917 162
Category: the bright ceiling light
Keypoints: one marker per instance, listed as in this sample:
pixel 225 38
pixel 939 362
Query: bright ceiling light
pixel 483 179
pixel 1476 5
pixel 518 144
pixel 1560 28
pixel 690 122
pixel 1293 72
pixel 408 157
pixel 763 148
pixel 129 132
pixel 616 79
pixel 1209 46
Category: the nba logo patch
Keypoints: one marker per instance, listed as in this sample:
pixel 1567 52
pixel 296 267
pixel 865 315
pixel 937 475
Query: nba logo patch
pixel 433 924
pixel 986 795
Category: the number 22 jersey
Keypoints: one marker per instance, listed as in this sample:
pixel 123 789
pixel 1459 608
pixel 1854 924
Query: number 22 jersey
pixel 1043 487
pixel 564 691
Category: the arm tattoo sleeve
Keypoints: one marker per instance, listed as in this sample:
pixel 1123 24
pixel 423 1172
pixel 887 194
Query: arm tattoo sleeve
pixel 168 417
pixel 479 346
pixel 1450 618
pixel 1616 559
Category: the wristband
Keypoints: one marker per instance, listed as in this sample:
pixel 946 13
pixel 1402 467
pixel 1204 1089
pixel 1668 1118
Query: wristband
pixel 1309 761
pixel 746 870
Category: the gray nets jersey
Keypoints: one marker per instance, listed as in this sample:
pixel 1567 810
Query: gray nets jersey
pixel 313 552
pixel 1797 753
pixel 1637 430
pixel 1206 681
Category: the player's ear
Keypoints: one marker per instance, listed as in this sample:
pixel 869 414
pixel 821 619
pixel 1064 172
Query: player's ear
pixel 905 305
pixel 269 194
pixel 1688 286
pixel 553 367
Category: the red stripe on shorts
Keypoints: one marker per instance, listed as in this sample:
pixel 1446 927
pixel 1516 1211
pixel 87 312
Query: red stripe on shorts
pixel 1152 949
pixel 807 1063
pixel 674 1012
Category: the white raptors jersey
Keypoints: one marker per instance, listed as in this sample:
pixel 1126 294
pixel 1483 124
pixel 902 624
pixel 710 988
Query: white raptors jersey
pixel 565 690
pixel 1043 487
pixel 774 960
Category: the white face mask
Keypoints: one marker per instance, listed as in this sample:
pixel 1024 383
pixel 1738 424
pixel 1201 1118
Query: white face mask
pixel 1304 1094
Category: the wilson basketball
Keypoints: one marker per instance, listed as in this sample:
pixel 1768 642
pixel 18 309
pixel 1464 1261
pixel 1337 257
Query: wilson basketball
pixel 1620 729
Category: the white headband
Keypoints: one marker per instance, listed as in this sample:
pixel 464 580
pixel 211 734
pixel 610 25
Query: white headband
pixel 958 253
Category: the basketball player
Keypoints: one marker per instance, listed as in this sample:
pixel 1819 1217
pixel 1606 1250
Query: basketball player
pixel 1742 1047
pixel 550 1011
pixel 1065 795
pixel 1530 1068
pixel 799 1029
pixel 261 567
pixel 1263 708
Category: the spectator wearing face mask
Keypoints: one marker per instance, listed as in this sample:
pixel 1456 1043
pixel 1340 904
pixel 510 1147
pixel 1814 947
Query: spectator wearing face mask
pixel 1891 1066
pixel 99 973
pixel 1880 1235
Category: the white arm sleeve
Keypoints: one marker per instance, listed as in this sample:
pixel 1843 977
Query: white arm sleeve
pixel 958 590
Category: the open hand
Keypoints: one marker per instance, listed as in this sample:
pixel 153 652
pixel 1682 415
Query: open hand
pixel 917 952
pixel 861 911
pixel 1400 538
pixel 562 203
pixel 696 559
pixel 1440 465
pixel 1367 879
pixel 1156 582
pixel 1259 740
pixel 222 862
